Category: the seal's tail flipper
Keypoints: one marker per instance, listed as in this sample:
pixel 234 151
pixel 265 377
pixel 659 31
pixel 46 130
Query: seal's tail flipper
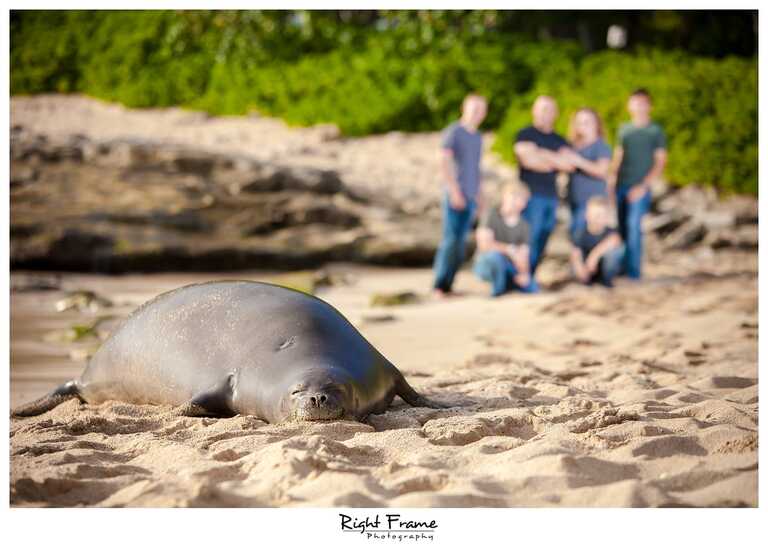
pixel 407 393
pixel 62 393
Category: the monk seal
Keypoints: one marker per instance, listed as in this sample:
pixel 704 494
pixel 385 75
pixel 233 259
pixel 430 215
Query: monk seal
pixel 239 347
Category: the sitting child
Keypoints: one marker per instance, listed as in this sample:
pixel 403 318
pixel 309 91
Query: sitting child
pixel 502 244
pixel 597 252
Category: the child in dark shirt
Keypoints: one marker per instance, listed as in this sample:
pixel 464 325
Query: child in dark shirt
pixel 597 252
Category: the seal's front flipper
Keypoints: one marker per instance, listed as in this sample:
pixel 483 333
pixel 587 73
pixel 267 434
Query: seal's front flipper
pixel 215 402
pixel 407 393
pixel 61 394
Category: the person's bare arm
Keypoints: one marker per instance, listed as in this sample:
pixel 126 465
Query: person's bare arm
pixel 534 158
pixel 607 244
pixel 659 162
pixel 521 257
pixel 518 254
pixel 565 159
pixel 486 242
pixel 577 262
pixel 597 169
pixel 613 174
pixel 455 194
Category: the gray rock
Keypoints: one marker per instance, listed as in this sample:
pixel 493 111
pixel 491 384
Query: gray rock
pixel 135 205
pixel 685 236
pixel 744 237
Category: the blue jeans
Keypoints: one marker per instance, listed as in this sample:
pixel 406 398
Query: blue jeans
pixel 630 228
pixel 578 219
pixel 540 215
pixel 610 265
pixel 450 253
pixel 499 270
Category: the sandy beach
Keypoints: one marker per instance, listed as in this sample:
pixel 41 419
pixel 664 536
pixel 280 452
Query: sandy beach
pixel 643 396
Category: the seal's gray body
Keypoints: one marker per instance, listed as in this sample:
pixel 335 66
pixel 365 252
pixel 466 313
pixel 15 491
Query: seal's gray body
pixel 242 347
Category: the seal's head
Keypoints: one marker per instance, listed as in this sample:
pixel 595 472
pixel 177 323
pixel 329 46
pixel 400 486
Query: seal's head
pixel 320 394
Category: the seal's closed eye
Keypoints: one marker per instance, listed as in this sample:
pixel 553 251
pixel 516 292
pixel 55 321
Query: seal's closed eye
pixel 287 343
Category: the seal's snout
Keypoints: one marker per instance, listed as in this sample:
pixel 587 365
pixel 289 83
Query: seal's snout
pixel 311 405
pixel 318 400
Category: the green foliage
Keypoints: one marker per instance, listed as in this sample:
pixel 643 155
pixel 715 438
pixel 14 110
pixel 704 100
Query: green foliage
pixel 398 70
pixel 379 87
pixel 707 107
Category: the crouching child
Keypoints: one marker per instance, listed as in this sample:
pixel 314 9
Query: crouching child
pixel 598 253
pixel 503 255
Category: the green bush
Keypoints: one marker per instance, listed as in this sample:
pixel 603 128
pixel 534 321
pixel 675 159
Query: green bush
pixel 409 76
pixel 375 89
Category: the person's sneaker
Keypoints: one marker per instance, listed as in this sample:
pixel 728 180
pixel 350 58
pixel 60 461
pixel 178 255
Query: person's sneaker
pixel 444 295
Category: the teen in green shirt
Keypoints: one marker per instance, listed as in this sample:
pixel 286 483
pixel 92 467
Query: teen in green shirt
pixel 639 159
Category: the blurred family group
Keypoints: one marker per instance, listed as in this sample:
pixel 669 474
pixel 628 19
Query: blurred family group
pixel 512 234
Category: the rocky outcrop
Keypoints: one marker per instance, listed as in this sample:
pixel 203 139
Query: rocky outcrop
pixel 128 205
pixel 690 216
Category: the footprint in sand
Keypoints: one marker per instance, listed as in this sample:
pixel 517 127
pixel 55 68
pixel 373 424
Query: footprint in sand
pixel 460 431
pixel 669 446
pixel 61 491
pixel 433 481
pixel 727 382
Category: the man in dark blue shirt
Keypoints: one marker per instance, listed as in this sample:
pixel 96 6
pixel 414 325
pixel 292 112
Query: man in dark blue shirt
pixel 462 148
pixel 541 154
